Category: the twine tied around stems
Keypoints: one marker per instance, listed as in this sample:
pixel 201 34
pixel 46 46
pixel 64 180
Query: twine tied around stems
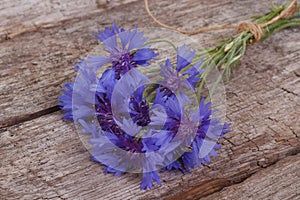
pixel 256 29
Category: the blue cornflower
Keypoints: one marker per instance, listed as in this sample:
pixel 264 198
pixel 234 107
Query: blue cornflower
pixel 150 124
pixel 139 112
pixel 132 51
pixel 148 178
pixel 86 86
pixel 208 132
pixel 139 108
pixel 66 101
pixel 184 75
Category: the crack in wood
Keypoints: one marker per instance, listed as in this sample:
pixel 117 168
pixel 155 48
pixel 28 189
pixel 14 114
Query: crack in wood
pixel 28 117
pixel 210 187
pixel 288 91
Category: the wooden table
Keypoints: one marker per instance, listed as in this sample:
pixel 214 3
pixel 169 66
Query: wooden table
pixel 42 156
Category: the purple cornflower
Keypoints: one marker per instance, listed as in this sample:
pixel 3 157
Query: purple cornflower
pixel 185 75
pixel 209 129
pixel 66 101
pixel 88 101
pixel 85 87
pixel 139 108
pixel 132 51
pixel 139 113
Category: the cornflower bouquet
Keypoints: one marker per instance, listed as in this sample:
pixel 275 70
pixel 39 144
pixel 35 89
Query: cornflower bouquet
pixel 146 123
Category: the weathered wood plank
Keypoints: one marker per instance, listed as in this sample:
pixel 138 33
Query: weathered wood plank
pixel 34 65
pixel 45 158
pixel 21 16
pixel 263 134
pixel 280 181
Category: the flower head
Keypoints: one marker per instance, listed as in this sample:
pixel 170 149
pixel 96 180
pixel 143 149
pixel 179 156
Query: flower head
pixel 209 128
pixel 184 74
pixel 132 51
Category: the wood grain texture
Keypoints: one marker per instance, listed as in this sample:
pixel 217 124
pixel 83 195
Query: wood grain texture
pixel 43 157
pixel 21 16
pixel 280 181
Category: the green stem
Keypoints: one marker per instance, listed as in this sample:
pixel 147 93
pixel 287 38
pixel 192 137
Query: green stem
pixel 229 53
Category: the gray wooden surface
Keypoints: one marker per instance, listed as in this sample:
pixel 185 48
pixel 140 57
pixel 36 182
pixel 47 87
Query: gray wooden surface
pixel 41 156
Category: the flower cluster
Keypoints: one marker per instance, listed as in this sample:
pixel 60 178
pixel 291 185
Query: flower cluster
pixel 130 132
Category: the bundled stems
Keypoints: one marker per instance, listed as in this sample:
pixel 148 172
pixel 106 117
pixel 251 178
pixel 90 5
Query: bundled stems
pixel 227 55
